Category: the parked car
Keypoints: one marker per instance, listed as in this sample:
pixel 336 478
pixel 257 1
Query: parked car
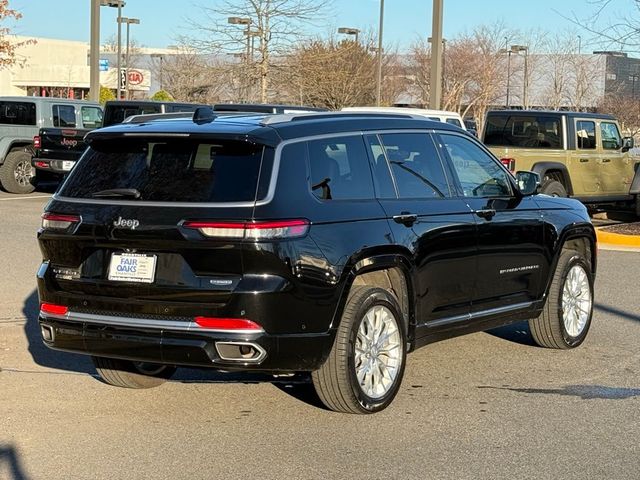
pixel 56 150
pixel 20 120
pixel 264 108
pixel 330 243
pixel 452 118
pixel 577 154
pixel 116 111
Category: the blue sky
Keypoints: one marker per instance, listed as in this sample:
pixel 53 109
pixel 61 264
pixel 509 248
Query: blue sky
pixel 405 20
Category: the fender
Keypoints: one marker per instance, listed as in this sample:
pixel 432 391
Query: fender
pixel 7 144
pixel 541 168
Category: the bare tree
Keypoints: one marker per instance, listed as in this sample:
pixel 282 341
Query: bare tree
pixel 276 24
pixel 8 46
pixel 625 109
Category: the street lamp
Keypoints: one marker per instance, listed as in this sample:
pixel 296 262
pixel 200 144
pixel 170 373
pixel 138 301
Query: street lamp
pixel 244 21
pixel 129 22
pixel 117 4
pixel 349 31
pixel 508 52
pixel 379 81
pixel 161 57
pixel 525 79
pixel 94 48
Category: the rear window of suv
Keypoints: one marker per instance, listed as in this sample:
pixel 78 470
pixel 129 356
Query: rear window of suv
pixel 525 131
pixel 17 113
pixel 176 171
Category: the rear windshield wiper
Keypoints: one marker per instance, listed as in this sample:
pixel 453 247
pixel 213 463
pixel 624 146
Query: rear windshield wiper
pixel 118 192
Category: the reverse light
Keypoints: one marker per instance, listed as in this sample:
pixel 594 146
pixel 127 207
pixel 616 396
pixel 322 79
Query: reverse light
pixel 37 142
pixel 235 324
pixel 53 309
pixel 57 221
pixel 265 230
pixel 510 163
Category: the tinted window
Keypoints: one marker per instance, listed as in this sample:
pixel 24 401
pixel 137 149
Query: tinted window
pixel 339 169
pixel 527 131
pixel 18 113
pixel 416 166
pixel 611 139
pixel 180 107
pixel 180 171
pixel 479 174
pixel 91 117
pixel 64 116
pixel 381 173
pixel 585 134
pixel 454 121
pixel 118 113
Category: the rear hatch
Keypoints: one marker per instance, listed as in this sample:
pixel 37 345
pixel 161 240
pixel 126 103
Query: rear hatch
pixel 151 222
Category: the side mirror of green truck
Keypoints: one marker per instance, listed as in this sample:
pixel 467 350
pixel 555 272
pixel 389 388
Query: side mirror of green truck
pixel 627 143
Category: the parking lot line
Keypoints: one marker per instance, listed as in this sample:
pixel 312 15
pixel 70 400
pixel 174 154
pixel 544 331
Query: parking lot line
pixel 24 198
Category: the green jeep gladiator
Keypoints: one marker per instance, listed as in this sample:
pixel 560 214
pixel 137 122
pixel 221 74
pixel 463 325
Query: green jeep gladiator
pixel 576 154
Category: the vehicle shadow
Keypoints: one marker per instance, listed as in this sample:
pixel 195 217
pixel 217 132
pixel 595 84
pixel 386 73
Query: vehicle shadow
pixel 617 312
pixel 515 332
pixel 41 354
pixel 10 463
pixel 297 386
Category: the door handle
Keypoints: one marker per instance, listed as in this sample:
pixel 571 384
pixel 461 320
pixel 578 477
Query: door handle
pixel 584 160
pixel 406 218
pixel 487 213
pixel 606 160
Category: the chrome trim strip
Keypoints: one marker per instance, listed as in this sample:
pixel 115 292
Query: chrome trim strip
pixel 109 320
pixel 261 352
pixel 478 315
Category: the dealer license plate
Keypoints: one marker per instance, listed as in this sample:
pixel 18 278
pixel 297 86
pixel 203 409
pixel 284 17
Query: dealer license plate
pixel 132 267
pixel 67 165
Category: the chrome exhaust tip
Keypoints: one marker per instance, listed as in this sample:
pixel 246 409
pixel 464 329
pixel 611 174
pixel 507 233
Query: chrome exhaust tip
pixel 47 332
pixel 241 352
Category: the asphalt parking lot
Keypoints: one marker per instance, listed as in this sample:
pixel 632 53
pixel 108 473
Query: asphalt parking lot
pixel 488 405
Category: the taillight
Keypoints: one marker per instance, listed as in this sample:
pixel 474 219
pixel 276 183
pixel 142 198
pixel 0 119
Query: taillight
pixel 41 164
pixel 53 309
pixel 266 230
pixel 235 324
pixel 37 142
pixel 510 163
pixel 57 221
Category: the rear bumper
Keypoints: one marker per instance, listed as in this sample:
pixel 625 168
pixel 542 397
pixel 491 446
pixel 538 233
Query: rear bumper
pixel 179 343
pixel 52 165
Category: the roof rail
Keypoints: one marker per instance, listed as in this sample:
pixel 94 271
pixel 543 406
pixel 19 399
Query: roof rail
pixel 147 117
pixel 282 118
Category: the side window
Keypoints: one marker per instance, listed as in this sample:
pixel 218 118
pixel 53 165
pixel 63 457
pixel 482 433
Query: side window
pixel 17 113
pixel 91 117
pixel 454 121
pixel 64 116
pixel 381 173
pixel 339 169
pixel 585 135
pixel 416 165
pixel 479 174
pixel 611 139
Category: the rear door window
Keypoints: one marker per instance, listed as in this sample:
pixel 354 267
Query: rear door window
pixel 91 117
pixel 17 113
pixel 526 131
pixel 174 171
pixel 64 116
pixel 339 168
pixel 611 139
pixel 585 135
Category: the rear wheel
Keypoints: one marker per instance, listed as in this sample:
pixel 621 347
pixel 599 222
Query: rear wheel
pixel 128 374
pixel 553 188
pixel 566 317
pixel 366 364
pixel 16 173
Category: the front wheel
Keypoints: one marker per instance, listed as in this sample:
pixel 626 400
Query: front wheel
pixel 128 374
pixel 566 317
pixel 366 364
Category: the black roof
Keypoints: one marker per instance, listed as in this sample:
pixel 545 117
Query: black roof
pixel 567 113
pixel 269 129
pixel 127 103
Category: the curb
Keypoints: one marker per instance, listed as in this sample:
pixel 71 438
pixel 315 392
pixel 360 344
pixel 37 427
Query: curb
pixel 617 241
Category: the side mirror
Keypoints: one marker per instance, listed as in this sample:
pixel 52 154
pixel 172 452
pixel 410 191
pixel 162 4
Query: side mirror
pixel 528 182
pixel 627 143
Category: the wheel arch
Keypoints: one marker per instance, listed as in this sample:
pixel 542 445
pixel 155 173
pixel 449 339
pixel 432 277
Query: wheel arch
pixel 545 168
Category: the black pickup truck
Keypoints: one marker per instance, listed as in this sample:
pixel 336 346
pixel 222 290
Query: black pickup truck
pixel 56 150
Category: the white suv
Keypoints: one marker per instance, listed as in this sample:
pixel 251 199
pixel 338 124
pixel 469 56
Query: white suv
pixel 452 118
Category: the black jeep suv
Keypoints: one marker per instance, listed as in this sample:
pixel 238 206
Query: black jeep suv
pixel 331 243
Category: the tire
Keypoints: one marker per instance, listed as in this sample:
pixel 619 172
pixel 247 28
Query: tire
pixel 560 325
pixel 368 310
pixel 553 188
pixel 128 374
pixel 16 173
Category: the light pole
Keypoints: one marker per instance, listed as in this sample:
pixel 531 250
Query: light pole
pixel 435 79
pixel 244 21
pixel 379 81
pixel 129 22
pixel 161 57
pixel 508 52
pixel 349 31
pixel 94 49
pixel 525 78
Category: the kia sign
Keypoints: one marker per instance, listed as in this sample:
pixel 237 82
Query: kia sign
pixel 135 77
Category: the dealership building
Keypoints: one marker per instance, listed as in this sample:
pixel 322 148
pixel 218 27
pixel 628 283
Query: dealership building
pixel 60 68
